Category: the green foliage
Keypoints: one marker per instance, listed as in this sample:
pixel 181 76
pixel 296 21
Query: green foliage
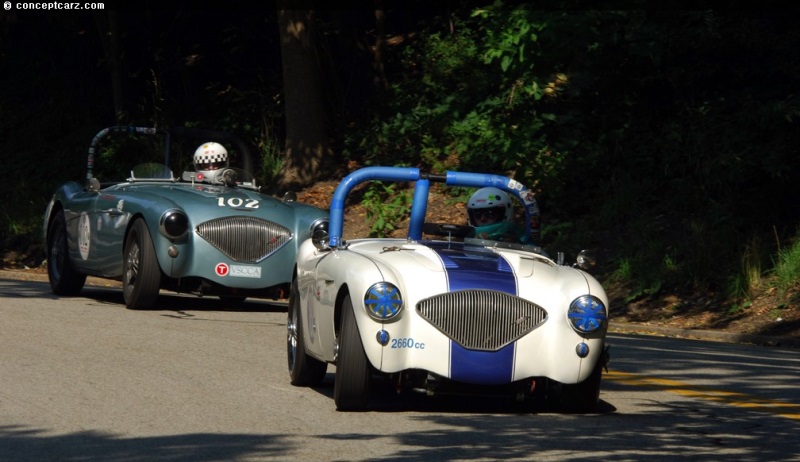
pixel 385 207
pixel 787 268
pixel 738 307
pixel 271 160
pixel 270 154
pixel 744 283
pixel 483 98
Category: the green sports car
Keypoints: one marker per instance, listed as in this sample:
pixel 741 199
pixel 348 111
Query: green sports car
pixel 208 231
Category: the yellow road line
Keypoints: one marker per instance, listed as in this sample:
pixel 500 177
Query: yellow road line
pixel 779 408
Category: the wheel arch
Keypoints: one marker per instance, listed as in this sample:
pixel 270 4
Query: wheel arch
pixel 344 291
pixel 55 208
pixel 154 238
pixel 131 221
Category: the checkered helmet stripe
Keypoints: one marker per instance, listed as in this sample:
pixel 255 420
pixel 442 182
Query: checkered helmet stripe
pixel 209 153
pixel 208 158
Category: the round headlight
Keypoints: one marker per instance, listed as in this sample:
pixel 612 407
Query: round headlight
pixel 174 224
pixel 383 301
pixel 587 314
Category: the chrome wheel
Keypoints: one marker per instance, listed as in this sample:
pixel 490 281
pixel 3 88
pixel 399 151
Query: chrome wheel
pixel 304 370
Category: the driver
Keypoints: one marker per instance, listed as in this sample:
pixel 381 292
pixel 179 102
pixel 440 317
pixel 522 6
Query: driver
pixel 491 213
pixel 208 159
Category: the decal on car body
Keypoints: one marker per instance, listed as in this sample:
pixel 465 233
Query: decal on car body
pixel 238 271
pixel 407 343
pixel 237 202
pixel 244 271
pixel 84 235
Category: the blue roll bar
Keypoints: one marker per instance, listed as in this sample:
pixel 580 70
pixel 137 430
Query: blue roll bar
pixel 420 202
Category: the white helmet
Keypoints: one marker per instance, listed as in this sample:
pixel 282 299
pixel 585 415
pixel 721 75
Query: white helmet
pixel 489 206
pixel 209 157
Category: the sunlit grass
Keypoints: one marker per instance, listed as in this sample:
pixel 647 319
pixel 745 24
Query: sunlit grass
pixel 746 282
pixel 787 268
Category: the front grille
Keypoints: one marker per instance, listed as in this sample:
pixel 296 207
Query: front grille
pixel 244 239
pixel 481 319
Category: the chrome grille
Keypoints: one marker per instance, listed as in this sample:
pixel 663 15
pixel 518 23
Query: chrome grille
pixel 244 239
pixel 481 319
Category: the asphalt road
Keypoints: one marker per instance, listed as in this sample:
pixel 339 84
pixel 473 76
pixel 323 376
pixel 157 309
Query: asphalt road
pixel 85 379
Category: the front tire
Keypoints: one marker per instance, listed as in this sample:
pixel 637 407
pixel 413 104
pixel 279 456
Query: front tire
pixel 303 369
pixel 64 279
pixel 141 275
pixel 351 388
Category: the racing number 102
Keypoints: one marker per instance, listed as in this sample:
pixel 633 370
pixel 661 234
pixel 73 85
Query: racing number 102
pixel 237 202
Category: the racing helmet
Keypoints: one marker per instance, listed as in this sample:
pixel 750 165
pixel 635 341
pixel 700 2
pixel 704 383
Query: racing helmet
pixel 209 157
pixel 489 208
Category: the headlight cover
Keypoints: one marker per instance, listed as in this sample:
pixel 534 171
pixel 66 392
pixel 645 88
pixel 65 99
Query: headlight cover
pixel 174 224
pixel 383 302
pixel 587 314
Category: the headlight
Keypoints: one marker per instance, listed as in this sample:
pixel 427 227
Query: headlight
pixel 383 301
pixel 174 224
pixel 587 314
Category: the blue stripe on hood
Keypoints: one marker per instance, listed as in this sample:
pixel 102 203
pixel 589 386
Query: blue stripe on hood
pixel 479 270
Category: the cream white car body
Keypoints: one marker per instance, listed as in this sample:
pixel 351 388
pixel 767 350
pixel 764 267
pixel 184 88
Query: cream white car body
pixel 477 313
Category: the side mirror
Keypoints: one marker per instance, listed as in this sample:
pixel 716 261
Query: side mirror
pixel 93 184
pixel 587 259
pixel 320 236
pixel 229 177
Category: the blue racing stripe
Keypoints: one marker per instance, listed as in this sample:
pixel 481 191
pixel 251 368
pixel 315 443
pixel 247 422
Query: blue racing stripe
pixel 485 270
pixel 476 270
pixel 481 367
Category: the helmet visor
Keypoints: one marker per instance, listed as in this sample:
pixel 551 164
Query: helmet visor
pixel 487 216
pixel 201 166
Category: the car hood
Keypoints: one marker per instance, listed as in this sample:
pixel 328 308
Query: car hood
pixel 209 201
pixel 469 267
pixel 186 191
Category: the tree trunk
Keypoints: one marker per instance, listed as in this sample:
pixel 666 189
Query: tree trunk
pixel 108 28
pixel 307 153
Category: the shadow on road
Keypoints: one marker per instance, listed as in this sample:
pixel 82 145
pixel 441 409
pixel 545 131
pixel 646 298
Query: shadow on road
pixel 384 398
pixel 168 301
pixel 21 443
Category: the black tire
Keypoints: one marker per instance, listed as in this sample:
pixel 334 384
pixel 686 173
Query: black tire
pixel 64 279
pixel 141 275
pixel 583 397
pixel 351 388
pixel 304 370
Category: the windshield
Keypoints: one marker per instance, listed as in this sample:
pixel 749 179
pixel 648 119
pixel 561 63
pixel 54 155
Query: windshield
pixel 151 171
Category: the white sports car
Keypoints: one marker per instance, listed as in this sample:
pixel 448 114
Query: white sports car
pixel 451 313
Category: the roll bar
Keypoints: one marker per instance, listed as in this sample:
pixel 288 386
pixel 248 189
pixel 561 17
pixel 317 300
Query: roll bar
pixel 419 204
